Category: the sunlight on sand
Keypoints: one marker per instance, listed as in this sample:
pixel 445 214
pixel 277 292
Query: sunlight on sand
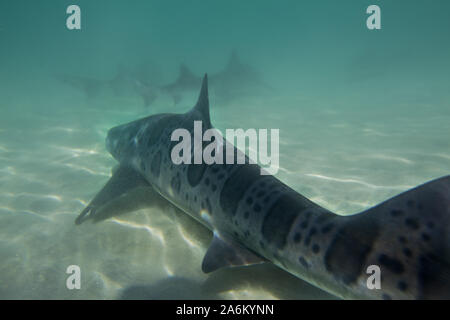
pixel 152 231
pixel 388 158
pixel 45 184
pixel 248 294
pixel 366 184
pixel 159 235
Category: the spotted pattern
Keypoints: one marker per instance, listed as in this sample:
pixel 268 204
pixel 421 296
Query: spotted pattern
pixel 155 166
pixel 280 217
pixel 298 237
pixel 354 241
pixel 407 252
pixel 176 183
pixel 433 276
pixel 327 228
pixel 315 248
pixel 426 237
pixel 303 262
pixel 412 223
pixel 392 264
pixel 396 213
pixel 195 173
pixel 311 234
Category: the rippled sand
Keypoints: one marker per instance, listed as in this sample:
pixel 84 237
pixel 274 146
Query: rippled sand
pixel 53 161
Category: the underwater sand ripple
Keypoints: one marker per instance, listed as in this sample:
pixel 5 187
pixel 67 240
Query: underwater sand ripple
pixel 361 182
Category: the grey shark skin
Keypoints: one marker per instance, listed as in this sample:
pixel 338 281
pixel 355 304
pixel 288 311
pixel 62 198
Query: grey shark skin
pixel 257 218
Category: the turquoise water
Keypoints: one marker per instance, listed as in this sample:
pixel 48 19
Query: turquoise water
pixel 363 115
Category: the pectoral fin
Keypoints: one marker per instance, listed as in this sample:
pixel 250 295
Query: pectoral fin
pixel 123 180
pixel 226 252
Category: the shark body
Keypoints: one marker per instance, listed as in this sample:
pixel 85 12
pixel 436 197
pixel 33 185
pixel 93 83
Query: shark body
pixel 236 80
pixel 257 218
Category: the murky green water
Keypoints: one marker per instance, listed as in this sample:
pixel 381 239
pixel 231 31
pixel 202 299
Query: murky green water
pixel 363 115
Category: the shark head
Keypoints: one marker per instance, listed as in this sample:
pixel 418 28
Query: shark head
pixel 121 141
pixel 127 143
pixel 257 218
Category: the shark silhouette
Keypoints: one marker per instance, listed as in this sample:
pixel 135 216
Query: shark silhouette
pixel 257 218
pixel 142 81
pixel 185 82
pixel 235 81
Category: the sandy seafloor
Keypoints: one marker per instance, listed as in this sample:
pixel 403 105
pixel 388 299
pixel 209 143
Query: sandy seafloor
pixel 53 161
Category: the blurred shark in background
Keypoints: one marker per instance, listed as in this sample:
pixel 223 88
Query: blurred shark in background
pixel 257 218
pixel 235 81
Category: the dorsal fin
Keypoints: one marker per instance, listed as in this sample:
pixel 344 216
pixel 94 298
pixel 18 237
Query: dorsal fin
pixel 202 105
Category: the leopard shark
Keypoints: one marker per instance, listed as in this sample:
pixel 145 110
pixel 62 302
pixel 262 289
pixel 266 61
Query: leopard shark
pixel 256 218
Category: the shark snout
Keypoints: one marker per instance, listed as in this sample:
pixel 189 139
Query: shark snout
pixel 109 144
pixel 112 142
pixel 121 141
